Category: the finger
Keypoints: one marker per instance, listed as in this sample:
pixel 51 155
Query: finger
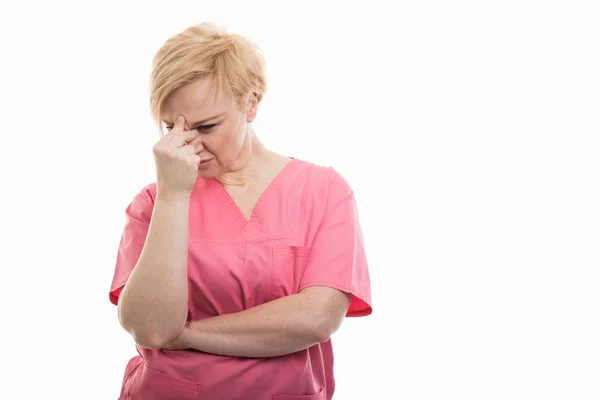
pixel 180 139
pixel 179 124
pixel 194 159
pixel 196 144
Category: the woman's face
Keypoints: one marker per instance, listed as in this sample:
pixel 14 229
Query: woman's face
pixel 223 142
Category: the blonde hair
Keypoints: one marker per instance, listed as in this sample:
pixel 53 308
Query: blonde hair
pixel 235 65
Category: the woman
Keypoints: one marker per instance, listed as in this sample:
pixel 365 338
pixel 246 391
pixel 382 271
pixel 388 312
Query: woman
pixel 238 264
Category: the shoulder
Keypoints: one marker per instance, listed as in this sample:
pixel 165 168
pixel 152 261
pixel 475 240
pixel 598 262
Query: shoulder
pixel 146 194
pixel 141 202
pixel 325 178
pixel 325 187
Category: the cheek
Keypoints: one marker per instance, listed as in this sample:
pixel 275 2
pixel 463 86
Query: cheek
pixel 234 137
pixel 227 144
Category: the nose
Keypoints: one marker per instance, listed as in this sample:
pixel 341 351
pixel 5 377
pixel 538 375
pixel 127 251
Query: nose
pixel 197 144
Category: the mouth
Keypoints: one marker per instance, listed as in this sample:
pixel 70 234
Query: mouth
pixel 204 163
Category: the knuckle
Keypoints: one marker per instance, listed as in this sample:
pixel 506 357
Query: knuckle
pixel 171 153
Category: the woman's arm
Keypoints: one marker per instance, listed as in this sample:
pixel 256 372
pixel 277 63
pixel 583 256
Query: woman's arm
pixel 283 326
pixel 153 303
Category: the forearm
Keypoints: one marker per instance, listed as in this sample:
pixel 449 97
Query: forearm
pixel 280 327
pixel 153 303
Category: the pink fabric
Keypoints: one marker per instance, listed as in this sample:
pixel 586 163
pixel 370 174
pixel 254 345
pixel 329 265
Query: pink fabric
pixel 304 232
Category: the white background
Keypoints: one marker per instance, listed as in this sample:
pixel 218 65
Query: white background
pixel 468 129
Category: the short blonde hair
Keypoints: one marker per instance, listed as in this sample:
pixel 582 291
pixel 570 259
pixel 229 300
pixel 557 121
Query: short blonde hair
pixel 236 66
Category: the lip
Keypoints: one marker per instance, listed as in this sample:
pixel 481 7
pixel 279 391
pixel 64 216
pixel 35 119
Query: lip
pixel 204 163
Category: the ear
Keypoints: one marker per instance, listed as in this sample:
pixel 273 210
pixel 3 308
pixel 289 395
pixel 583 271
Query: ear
pixel 252 107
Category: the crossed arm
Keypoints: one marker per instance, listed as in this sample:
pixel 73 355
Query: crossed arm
pixel 158 285
pixel 283 326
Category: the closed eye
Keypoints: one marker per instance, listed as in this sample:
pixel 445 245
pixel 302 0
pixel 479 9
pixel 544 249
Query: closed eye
pixel 206 128
pixel 203 128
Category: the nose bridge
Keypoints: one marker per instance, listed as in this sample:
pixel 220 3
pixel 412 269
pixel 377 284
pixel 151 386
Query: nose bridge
pixel 198 143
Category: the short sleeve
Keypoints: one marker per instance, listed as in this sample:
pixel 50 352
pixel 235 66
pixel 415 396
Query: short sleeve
pixel 137 221
pixel 337 258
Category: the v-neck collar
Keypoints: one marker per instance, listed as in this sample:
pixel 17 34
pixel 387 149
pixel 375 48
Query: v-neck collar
pixel 262 200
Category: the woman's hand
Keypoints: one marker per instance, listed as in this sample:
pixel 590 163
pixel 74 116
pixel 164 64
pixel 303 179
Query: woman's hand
pixel 176 161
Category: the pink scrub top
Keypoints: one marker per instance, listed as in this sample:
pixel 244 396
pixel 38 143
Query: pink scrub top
pixel 304 231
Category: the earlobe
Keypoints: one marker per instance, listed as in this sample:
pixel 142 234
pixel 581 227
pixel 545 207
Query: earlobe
pixel 252 108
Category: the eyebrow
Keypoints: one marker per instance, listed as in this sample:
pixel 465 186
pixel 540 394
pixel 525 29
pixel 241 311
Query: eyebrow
pixel 201 121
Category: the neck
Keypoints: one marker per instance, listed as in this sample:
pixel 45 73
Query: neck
pixel 246 168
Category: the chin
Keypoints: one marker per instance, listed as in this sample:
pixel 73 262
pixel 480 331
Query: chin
pixel 207 170
pixel 206 174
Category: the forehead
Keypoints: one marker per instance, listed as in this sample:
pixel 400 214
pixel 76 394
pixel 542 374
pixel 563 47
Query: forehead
pixel 193 101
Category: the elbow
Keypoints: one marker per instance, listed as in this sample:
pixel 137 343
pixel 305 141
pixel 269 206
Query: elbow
pixel 149 341
pixel 152 339
pixel 146 336
pixel 321 336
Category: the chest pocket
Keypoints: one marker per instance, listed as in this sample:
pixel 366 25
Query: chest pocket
pixel 288 265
